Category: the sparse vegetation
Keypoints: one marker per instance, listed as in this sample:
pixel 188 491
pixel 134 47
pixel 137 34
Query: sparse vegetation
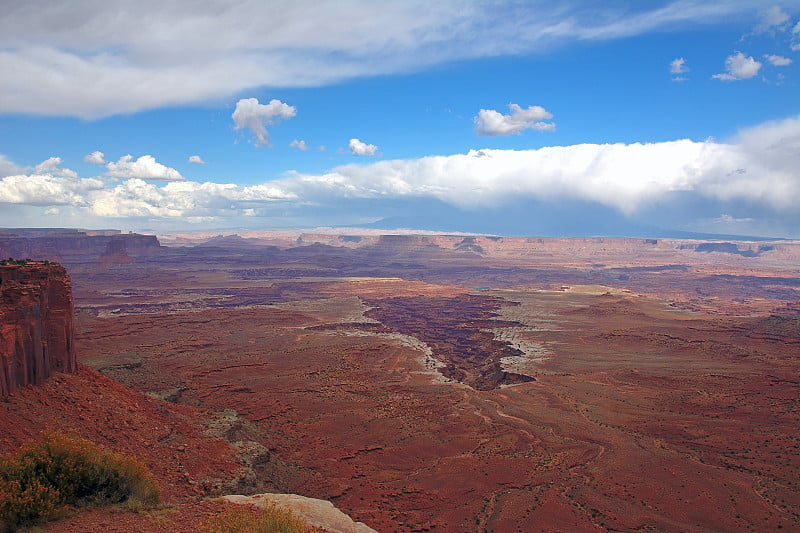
pixel 45 477
pixel 20 262
pixel 12 261
pixel 249 519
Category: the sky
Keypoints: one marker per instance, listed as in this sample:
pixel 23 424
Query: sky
pixel 574 118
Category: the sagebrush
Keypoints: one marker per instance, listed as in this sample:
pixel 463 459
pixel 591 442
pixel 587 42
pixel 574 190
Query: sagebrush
pixel 46 476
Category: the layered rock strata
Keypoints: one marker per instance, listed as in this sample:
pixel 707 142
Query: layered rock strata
pixel 36 324
pixel 68 246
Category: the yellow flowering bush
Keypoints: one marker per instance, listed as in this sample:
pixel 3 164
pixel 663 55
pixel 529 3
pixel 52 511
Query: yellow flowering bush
pixel 249 519
pixel 44 477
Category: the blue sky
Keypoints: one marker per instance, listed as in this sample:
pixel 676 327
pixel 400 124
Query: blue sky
pixel 501 117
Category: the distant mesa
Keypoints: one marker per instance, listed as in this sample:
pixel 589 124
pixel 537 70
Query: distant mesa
pixel 731 248
pixel 468 244
pixel 231 241
pixel 69 245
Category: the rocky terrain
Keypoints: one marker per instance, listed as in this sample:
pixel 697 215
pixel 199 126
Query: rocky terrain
pixel 447 383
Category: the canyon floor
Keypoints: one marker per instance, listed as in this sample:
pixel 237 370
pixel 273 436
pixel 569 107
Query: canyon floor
pixel 447 383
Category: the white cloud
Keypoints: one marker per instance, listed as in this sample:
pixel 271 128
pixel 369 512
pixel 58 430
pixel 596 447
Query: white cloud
pixel 196 159
pixel 255 117
pixel 778 61
pixel 489 123
pixel 48 165
pixel 98 62
pixel 51 166
pixel 756 170
pixel 7 167
pixel 47 188
pixel 730 219
pixel 300 145
pixel 739 67
pixel 774 18
pixel 96 158
pixel 619 176
pixel 758 167
pixel 360 148
pixel 145 167
pixel 678 66
pixel 794 44
pixel 136 198
pixel 35 190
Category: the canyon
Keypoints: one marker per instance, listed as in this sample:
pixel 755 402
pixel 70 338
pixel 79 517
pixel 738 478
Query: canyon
pixel 439 382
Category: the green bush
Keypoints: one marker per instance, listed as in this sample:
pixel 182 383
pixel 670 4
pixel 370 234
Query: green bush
pixel 249 519
pixel 44 477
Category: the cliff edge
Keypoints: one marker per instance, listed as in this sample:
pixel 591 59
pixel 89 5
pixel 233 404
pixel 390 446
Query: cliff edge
pixel 36 324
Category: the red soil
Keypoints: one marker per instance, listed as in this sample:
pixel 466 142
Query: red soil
pixel 646 418
pixel 641 416
pixel 168 437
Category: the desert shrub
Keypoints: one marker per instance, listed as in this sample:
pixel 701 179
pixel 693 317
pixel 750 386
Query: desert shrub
pixel 249 519
pixel 44 477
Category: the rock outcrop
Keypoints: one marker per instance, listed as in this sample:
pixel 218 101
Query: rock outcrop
pixel 319 513
pixel 36 324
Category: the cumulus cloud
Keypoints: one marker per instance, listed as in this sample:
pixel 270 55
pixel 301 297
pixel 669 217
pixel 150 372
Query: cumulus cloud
pixel 48 185
pixel 7 167
pixel 795 40
pixel 778 61
pixel 139 199
pixel 98 63
pixel 96 158
pixel 360 148
pixel 619 176
pixel 490 123
pixel 51 165
pixel 48 165
pixel 758 167
pixel 739 67
pixel 196 159
pixel 678 66
pixel 251 115
pixel 145 167
pixel 300 145
pixel 37 189
pixel 755 172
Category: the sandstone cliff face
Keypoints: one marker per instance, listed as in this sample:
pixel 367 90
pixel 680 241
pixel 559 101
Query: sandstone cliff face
pixel 36 324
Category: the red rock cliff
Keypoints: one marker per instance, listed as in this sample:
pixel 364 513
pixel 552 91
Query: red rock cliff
pixel 36 324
